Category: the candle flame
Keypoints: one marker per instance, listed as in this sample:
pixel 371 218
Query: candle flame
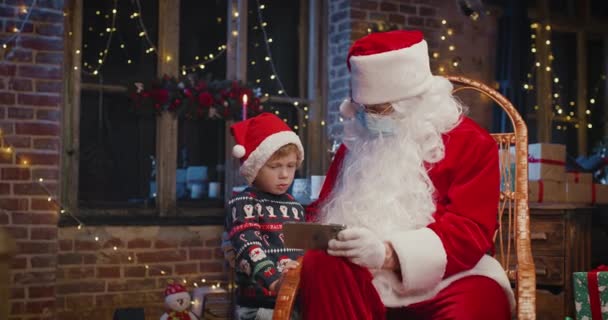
pixel 244 99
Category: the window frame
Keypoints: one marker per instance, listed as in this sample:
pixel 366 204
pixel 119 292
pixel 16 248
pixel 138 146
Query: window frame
pixel 311 83
pixel 584 27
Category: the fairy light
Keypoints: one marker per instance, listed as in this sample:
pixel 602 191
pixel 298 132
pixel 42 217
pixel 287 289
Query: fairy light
pixel 81 225
pixel 110 30
pixel 17 30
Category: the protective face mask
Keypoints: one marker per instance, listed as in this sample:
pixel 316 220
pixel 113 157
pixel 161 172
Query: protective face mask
pixel 376 124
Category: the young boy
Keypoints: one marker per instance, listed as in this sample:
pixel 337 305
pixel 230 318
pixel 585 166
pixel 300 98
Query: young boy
pixel 270 152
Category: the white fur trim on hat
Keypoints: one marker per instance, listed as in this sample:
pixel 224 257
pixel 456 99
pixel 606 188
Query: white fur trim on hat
pixel 391 76
pixel 265 150
pixel 348 108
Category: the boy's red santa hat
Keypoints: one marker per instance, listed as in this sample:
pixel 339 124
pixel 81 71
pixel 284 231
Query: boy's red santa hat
pixel 258 138
pixel 387 67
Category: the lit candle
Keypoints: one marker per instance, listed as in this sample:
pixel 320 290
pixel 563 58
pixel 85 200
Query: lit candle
pixel 244 107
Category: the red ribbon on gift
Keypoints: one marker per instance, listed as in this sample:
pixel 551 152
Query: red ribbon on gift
pixel 576 176
pixel 545 161
pixel 594 291
pixel 541 191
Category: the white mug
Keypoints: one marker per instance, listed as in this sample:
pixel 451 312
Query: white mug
pixel 196 191
pixel 299 188
pixel 214 190
pixel 316 183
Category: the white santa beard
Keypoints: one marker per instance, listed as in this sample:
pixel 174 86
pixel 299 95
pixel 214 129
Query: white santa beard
pixel 383 183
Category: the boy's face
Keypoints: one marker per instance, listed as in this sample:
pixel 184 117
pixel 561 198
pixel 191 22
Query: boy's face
pixel 277 175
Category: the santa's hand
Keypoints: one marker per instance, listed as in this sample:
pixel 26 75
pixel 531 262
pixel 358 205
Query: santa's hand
pixel 359 245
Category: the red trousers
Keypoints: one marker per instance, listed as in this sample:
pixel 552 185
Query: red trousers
pixel 334 288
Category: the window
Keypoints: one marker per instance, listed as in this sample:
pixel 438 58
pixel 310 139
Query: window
pixel 117 159
pixel 566 102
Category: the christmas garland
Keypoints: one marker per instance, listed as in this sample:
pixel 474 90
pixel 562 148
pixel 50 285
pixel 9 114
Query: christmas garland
pixel 196 98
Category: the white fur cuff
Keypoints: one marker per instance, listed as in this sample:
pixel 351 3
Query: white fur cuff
pixel 422 257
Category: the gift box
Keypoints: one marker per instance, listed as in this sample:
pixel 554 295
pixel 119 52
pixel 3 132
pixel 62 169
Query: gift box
pixel 579 177
pixel 546 162
pixel 579 193
pixel 599 193
pixel 546 191
pixel 591 294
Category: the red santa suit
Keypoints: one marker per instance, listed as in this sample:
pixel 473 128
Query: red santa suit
pixel 429 187
pixel 453 247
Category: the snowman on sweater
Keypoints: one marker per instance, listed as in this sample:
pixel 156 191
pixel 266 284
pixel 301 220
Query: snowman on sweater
pixel 177 301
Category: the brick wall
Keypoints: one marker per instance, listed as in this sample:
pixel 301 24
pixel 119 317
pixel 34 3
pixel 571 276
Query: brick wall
pixel 474 42
pixel 30 100
pixel 94 279
pixel 340 37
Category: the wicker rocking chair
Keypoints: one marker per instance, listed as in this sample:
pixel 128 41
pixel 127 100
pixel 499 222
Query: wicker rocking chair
pixel 512 240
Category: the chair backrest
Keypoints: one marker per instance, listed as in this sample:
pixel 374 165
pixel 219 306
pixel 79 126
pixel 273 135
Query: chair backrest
pixel 512 241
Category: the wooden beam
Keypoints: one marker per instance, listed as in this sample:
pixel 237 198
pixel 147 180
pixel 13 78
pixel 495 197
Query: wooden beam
pixel 70 153
pixel 605 84
pixel 581 92
pixel 107 88
pixel 166 125
pixel 316 147
pixel 236 50
pixel 236 69
pixel 543 85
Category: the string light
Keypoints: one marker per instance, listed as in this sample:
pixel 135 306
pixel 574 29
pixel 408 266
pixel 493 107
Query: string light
pixel 17 30
pixel 108 42
pixel 95 237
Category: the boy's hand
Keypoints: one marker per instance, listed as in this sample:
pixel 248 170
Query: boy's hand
pixel 359 245
pixel 276 285
pixel 292 264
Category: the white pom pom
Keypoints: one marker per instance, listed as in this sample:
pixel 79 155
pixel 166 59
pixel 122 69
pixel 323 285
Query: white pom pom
pixel 347 109
pixel 238 151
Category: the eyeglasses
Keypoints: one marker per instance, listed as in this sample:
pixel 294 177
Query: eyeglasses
pixel 380 109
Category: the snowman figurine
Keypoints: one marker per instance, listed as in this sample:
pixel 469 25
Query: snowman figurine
pixel 177 301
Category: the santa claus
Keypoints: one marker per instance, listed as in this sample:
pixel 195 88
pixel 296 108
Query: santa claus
pixel 417 184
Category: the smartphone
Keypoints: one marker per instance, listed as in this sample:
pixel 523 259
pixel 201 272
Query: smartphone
pixel 310 235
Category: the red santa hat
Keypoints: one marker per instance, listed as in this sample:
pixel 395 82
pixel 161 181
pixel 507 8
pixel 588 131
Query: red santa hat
pixel 174 288
pixel 257 139
pixel 388 66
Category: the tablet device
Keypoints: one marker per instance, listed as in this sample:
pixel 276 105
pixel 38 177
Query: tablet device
pixel 310 235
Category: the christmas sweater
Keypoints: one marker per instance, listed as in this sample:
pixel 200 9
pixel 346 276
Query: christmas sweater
pixel 254 222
